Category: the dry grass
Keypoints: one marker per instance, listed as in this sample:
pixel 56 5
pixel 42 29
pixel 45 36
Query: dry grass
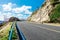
pixel 5 32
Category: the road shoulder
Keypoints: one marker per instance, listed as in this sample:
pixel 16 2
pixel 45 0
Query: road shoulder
pixel 52 24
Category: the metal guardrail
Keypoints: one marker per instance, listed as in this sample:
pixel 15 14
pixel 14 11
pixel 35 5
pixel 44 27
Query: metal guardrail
pixel 11 32
pixel 20 34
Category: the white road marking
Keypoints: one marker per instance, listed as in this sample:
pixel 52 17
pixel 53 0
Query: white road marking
pixel 49 29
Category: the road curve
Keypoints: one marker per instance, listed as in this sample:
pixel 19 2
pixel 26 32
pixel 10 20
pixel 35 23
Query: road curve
pixel 34 31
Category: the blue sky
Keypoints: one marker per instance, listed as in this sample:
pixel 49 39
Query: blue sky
pixel 18 8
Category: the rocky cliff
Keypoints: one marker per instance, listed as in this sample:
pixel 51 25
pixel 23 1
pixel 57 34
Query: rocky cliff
pixel 42 14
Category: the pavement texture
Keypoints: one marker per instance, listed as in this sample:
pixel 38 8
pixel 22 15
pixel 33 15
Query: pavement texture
pixel 34 31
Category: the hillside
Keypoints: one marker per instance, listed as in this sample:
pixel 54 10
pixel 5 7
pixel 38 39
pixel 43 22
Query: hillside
pixel 49 12
pixel 13 19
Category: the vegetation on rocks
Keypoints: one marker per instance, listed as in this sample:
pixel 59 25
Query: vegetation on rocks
pixel 52 1
pixel 55 14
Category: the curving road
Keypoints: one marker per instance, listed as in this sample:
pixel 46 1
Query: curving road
pixel 34 31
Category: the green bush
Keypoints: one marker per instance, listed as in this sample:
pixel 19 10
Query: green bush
pixel 55 14
pixel 52 1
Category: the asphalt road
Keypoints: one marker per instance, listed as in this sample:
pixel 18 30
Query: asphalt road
pixel 34 31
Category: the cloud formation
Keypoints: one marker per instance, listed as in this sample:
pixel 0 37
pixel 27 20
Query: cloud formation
pixel 22 9
pixel 9 10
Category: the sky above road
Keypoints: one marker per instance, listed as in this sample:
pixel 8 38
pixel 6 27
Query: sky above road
pixel 18 8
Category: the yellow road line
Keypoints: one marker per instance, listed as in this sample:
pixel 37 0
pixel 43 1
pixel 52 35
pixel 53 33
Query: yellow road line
pixel 50 29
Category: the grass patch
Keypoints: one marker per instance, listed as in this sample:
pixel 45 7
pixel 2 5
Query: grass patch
pixel 4 34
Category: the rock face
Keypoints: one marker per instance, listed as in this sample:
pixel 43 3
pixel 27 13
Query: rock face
pixel 42 14
pixel 13 19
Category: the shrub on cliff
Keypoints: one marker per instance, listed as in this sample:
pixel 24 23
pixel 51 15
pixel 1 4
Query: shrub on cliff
pixel 55 15
pixel 52 1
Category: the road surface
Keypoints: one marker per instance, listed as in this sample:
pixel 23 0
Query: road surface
pixel 34 31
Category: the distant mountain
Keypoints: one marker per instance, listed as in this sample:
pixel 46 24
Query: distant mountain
pixel 13 19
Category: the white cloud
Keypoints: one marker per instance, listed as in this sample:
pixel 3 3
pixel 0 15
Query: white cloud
pixel 9 15
pixel 1 17
pixel 23 9
pixel 9 10
pixel 19 15
pixel 7 7
pixel 28 12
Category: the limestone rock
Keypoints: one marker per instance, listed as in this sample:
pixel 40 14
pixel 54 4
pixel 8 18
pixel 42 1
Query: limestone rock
pixel 42 14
